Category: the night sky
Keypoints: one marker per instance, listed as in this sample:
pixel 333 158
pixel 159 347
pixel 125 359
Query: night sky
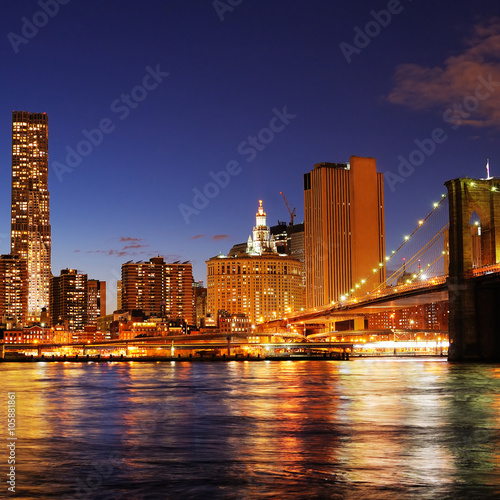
pixel 182 90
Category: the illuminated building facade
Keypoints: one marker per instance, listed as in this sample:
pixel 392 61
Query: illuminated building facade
pixel 159 288
pixel 30 226
pixel 96 295
pixel 259 283
pixel 344 229
pixel 13 290
pixel 233 323
pixel 36 335
pixel 433 316
pixel 69 300
pixel 263 287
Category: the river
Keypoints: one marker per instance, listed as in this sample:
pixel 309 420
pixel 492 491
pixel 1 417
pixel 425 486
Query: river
pixel 359 429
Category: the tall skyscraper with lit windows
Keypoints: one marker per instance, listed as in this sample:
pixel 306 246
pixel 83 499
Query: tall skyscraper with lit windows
pixel 30 225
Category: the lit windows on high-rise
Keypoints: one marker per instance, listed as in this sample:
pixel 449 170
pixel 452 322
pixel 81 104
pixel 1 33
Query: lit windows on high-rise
pixel 13 290
pixel 30 225
pixel 159 288
pixel 69 300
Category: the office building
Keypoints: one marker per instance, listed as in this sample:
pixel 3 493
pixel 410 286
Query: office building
pixel 30 225
pixel 344 230
pixel 13 290
pixel 159 288
pixel 200 303
pixel 260 283
pixel 96 296
pixel 69 300
pixel 289 239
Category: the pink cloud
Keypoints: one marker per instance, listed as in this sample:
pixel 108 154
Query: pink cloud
pixel 127 247
pixel 457 80
pixel 220 237
pixel 128 238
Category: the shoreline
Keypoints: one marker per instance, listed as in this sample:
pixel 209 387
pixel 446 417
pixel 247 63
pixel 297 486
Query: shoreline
pixel 202 359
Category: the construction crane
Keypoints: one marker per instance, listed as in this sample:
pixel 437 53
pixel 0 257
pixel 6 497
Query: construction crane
pixel 291 212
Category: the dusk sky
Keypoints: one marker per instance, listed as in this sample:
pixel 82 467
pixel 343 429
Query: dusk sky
pixel 180 88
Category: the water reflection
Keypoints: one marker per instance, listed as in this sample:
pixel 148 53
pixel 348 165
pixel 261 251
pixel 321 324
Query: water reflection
pixel 305 429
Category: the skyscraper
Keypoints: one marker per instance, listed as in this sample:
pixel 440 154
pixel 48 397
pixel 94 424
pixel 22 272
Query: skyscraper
pixel 30 226
pixel 344 229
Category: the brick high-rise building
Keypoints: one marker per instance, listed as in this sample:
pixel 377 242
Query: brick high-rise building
pixel 159 288
pixel 344 229
pixel 13 289
pixel 69 299
pixel 30 225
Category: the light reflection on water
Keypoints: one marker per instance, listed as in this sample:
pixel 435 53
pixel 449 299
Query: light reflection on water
pixel 372 428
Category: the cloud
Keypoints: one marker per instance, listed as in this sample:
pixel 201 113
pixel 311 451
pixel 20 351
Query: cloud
pixel 127 247
pixel 119 253
pixel 126 250
pixel 456 81
pixel 220 237
pixel 198 236
pixel 128 238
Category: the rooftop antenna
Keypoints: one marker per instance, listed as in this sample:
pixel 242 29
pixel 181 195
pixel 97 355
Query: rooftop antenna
pixel 488 168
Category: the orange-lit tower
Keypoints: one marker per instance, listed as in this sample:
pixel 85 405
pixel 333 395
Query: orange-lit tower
pixel 344 229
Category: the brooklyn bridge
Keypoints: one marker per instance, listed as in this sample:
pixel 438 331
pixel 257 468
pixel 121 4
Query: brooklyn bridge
pixel 452 255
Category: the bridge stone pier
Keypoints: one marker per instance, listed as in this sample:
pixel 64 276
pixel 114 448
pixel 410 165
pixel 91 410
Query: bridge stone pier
pixel 474 298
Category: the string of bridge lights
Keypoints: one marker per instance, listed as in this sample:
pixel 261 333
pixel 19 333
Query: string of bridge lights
pixel 388 258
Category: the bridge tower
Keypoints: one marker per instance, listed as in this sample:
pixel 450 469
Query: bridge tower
pixel 474 300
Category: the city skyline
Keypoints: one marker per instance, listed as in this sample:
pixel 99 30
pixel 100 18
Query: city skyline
pixel 166 101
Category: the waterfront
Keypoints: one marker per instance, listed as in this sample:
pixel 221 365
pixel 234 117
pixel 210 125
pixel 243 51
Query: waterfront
pixel 368 428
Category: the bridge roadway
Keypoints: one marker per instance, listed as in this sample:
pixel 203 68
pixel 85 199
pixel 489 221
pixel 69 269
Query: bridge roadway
pixel 387 299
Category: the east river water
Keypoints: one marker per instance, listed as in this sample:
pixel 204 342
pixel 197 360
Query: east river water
pixel 359 429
